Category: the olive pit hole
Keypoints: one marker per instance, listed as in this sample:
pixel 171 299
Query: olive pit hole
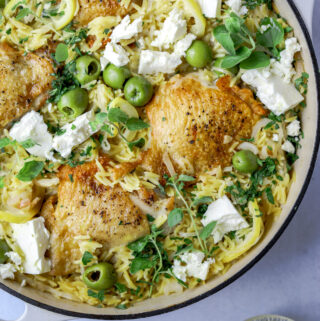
pixel 94 276
pixel 68 111
pixel 92 68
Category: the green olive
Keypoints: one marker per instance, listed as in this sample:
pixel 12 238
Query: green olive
pixel 73 103
pixel 218 62
pixel 245 161
pixel 4 248
pixel 87 69
pixel 115 77
pixel 199 54
pixel 138 91
pixel 101 276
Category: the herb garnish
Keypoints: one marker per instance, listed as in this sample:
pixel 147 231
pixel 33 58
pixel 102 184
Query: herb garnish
pixel 98 295
pixel 302 83
pixel 30 170
pixel 252 4
pixel 86 258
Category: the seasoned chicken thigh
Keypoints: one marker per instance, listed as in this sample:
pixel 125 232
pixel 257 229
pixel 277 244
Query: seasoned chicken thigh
pixel 84 207
pixel 24 83
pixel 91 9
pixel 194 125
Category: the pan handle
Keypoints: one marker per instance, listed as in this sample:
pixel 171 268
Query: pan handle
pixel 36 314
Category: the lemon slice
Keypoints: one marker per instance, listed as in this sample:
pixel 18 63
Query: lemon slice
pixel 193 10
pixel 7 11
pixel 15 218
pixel 66 13
pixel 251 238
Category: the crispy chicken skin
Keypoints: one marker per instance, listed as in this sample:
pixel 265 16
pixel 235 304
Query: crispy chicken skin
pixel 84 207
pixel 24 83
pixel 190 121
pixel 91 9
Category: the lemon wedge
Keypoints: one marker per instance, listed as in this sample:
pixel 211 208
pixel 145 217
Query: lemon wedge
pixel 125 107
pixel 7 11
pixel 251 238
pixel 193 10
pixel 15 218
pixel 66 13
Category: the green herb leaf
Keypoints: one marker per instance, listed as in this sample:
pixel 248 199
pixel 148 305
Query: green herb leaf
pixel 98 295
pixel 302 83
pixel 272 36
pixel 136 124
pixel 2 182
pixel 28 144
pixel 23 13
pixel 87 258
pixel 116 115
pixel 202 200
pixel 121 307
pixel 257 59
pixel 139 245
pixel 223 36
pixel 207 230
pixel 252 4
pixel 150 218
pixel 4 142
pixel 137 143
pixel 241 54
pixel 175 217
pixel 61 53
pixel 269 195
pixel 185 178
pixel 121 287
pixel 139 264
pixel 30 170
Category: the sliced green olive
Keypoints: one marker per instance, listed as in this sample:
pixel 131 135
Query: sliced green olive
pixel 101 276
pixel 4 248
pixel 73 103
pixel 245 161
pixel 218 62
pixel 138 91
pixel 115 77
pixel 199 54
pixel 87 69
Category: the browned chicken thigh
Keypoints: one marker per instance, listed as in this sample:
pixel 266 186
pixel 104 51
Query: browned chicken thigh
pixel 91 9
pixel 195 125
pixel 24 83
pixel 84 207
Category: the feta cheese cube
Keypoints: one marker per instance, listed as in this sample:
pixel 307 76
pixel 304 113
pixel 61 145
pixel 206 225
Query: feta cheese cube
pixel 277 95
pixel 33 239
pixel 114 54
pixel 284 67
pixel 7 271
pixel 227 217
pixel 153 62
pixel 184 44
pixel 293 129
pixel 210 8
pixel 31 126
pixel 174 28
pixel 75 134
pixel 275 137
pixel 14 258
pixel 126 29
pixel 288 147
pixel 190 264
pixel 237 7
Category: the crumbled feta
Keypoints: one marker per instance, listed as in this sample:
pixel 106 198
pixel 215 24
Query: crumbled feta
pixel 237 7
pixel 284 67
pixel 210 8
pixel 31 126
pixel 75 134
pixel 174 28
pixel 190 264
pixel 114 54
pixel 275 137
pixel 184 44
pixel 227 217
pixel 153 62
pixel 7 271
pixel 141 43
pixel 293 129
pixel 126 30
pixel 33 239
pixel 288 147
pixel 277 95
pixel 14 258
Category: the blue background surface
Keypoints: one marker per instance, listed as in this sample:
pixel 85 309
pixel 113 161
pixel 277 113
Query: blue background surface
pixel 286 281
